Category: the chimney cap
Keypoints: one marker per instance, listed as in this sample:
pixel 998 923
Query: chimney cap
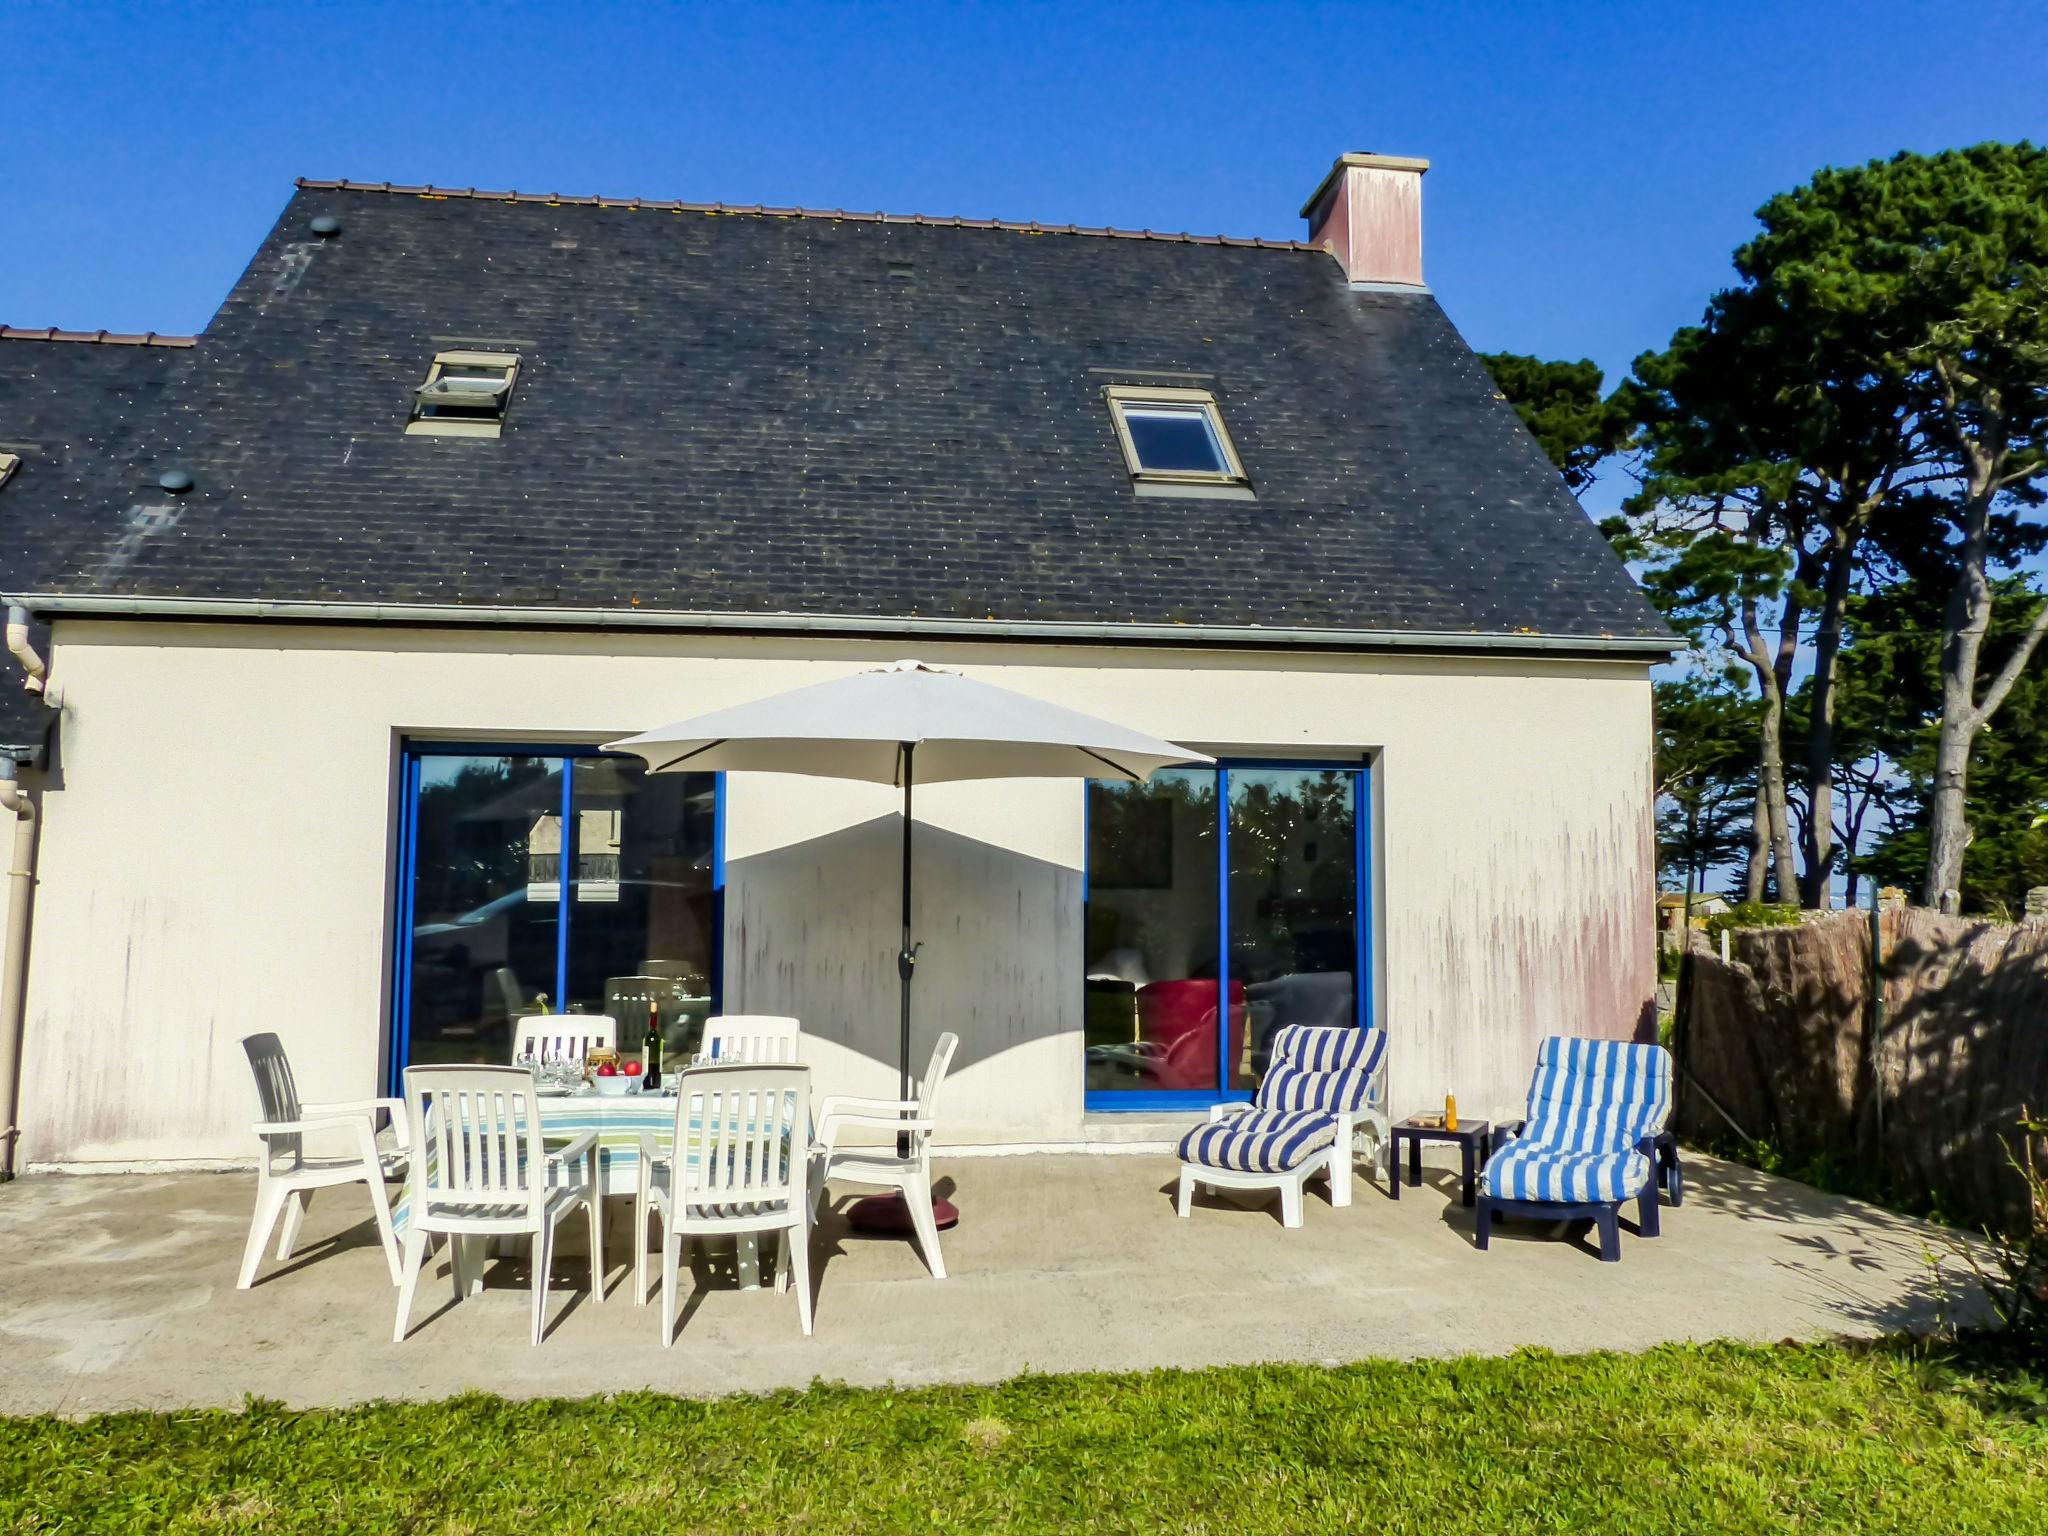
pixel 1360 161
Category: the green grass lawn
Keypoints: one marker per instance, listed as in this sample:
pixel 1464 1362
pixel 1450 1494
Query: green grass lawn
pixel 1720 1438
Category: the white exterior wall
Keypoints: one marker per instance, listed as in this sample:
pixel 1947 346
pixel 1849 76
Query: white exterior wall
pixel 218 858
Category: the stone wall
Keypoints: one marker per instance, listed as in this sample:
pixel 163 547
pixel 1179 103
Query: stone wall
pixel 1783 1036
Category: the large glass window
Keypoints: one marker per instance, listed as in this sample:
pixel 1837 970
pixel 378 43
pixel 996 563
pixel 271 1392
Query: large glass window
pixel 572 883
pixel 1168 935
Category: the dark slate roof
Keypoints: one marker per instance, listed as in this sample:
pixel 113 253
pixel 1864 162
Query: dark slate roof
pixel 70 404
pixel 758 414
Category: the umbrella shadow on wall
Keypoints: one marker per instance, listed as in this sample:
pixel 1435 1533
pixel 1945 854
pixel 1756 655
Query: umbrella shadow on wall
pixel 813 929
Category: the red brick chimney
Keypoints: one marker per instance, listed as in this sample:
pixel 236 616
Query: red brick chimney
pixel 1368 214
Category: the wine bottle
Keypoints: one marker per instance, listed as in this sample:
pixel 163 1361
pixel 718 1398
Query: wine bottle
pixel 650 1050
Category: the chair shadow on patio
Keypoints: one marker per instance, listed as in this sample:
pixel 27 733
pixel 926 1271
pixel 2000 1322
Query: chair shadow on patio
pixel 1463 1219
pixel 1580 1234
pixel 835 1232
pixel 713 1263
pixel 1266 1202
pixel 310 1251
pixel 511 1269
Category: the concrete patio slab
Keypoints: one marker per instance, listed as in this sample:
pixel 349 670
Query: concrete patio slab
pixel 118 1292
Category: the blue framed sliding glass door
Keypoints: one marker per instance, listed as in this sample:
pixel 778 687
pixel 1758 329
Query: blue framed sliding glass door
pixel 550 878
pixel 1221 904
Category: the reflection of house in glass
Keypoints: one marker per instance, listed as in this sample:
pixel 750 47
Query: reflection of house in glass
pixel 597 856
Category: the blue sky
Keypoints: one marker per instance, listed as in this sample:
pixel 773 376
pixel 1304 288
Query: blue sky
pixel 1593 166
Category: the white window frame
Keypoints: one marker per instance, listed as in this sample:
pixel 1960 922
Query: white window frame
pixel 475 426
pixel 1123 398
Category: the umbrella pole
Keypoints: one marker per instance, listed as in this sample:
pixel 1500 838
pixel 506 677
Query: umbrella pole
pixel 906 957
pixel 891 1213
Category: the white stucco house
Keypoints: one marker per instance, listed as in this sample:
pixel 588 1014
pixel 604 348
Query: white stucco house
pixel 337 603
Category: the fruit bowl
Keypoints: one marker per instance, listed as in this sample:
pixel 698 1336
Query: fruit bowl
pixel 616 1086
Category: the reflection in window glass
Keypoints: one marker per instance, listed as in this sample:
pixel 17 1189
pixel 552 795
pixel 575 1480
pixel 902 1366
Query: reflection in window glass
pixel 492 935
pixel 1293 903
pixel 1151 937
pixel 1154 911
pixel 1175 440
pixel 486 902
pixel 641 918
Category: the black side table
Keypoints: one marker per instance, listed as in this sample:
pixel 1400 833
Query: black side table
pixel 1474 1143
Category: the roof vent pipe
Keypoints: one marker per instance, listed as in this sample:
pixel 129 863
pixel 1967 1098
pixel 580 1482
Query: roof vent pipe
pixel 1368 214
pixel 19 647
pixel 14 953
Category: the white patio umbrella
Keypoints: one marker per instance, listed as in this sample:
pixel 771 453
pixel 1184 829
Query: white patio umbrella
pixel 899 725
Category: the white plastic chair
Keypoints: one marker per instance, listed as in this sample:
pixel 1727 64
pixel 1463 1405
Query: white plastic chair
pixel 563 1036
pixel 286 1175
pixel 762 1038
pixel 738 1166
pixel 482 1170
pixel 908 1170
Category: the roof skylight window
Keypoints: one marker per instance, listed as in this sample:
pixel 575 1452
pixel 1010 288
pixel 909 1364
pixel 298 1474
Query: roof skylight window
pixel 465 395
pixel 9 463
pixel 1174 437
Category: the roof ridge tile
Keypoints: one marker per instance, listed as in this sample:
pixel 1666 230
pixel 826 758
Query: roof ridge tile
pixel 759 210
pixel 98 338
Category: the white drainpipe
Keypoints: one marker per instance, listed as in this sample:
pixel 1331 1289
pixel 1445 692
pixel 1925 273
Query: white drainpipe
pixel 15 801
pixel 37 669
pixel 14 956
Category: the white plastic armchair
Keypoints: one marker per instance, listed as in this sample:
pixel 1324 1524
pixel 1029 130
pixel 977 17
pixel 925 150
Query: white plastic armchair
pixel 736 1166
pixel 483 1169
pixel 764 1039
pixel 905 1166
pixel 563 1036
pixel 287 1174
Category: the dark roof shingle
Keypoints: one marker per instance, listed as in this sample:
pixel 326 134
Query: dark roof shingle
pixel 751 413
pixel 70 405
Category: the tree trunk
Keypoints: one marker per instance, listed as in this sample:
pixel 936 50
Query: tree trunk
pixel 1854 808
pixel 1948 827
pixel 1771 786
pixel 1774 823
pixel 1965 621
pixel 1816 889
pixel 1759 845
pixel 1983 452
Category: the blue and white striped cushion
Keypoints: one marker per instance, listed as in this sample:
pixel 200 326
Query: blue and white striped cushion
pixel 1316 1074
pixel 1591 1103
pixel 1526 1171
pixel 1597 1095
pixel 1259 1140
pixel 1316 1067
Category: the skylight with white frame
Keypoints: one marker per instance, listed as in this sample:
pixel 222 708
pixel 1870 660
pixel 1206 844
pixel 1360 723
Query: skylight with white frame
pixel 465 395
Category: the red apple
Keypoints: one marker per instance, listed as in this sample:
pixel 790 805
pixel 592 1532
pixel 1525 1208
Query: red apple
pixel 631 1069
pixel 606 1069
